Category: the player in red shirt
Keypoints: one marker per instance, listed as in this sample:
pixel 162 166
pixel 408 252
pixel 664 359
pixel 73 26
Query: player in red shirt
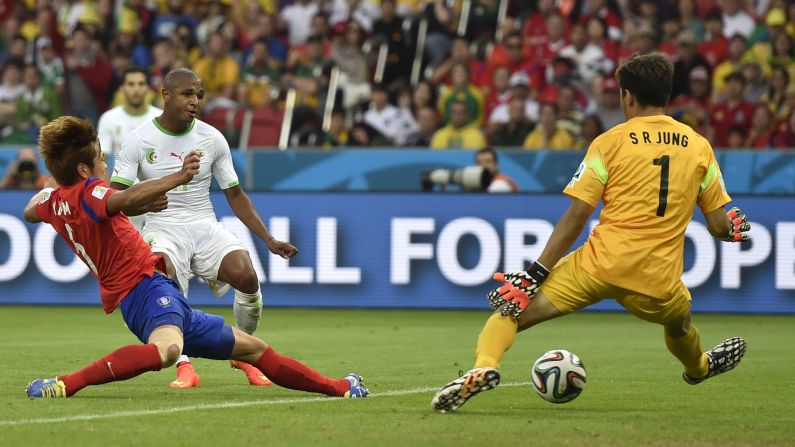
pixel 91 217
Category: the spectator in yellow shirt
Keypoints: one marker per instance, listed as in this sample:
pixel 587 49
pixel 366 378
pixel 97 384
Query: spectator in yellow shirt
pixel 548 135
pixel 219 72
pixel 461 133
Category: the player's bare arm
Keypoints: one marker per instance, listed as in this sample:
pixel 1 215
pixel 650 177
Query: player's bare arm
pixel 566 231
pixel 243 208
pixel 30 210
pixel 513 297
pixel 139 195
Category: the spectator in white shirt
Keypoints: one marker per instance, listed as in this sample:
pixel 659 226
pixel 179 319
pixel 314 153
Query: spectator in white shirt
pixel 297 17
pixel 590 59
pixel 735 20
pixel 397 125
pixel 519 87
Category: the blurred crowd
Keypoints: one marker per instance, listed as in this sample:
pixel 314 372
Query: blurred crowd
pixel 541 77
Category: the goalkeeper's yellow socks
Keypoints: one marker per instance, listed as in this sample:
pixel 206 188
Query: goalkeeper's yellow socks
pixel 688 350
pixel 496 337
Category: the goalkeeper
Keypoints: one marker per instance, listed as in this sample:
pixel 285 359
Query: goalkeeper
pixel 649 172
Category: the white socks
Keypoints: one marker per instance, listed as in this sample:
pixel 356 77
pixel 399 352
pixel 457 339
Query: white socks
pixel 247 309
pixel 182 358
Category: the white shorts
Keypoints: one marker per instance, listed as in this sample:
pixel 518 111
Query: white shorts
pixel 194 248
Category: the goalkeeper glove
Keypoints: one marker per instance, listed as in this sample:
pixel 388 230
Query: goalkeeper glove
pixel 513 297
pixel 739 226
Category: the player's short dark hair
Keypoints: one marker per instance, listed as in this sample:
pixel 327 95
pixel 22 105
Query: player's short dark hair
pixel 66 142
pixel 132 70
pixel 649 77
pixel 173 76
pixel 487 150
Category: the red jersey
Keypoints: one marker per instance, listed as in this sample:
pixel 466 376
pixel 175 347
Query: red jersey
pixel 725 116
pixel 110 246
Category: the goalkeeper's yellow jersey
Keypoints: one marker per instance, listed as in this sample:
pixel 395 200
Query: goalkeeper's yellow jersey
pixel 650 172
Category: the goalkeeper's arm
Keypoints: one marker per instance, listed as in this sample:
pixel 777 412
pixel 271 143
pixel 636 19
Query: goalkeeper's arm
pixel 566 231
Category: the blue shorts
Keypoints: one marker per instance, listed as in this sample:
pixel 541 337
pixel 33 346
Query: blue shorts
pixel 157 301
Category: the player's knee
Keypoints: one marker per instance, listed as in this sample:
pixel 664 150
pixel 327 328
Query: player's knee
pixel 679 328
pixel 249 283
pixel 169 353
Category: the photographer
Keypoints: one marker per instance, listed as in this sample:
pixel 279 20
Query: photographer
pixel 487 159
pixel 23 173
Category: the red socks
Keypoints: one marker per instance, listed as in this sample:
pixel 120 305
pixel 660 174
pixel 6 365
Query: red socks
pixel 121 364
pixel 290 373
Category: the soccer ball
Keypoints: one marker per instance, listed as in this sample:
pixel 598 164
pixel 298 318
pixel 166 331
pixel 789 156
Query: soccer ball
pixel 558 376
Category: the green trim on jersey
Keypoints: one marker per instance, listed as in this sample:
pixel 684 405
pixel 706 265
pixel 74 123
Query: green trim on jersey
pixel 121 180
pixel 170 133
pixel 713 169
pixel 233 184
pixel 597 165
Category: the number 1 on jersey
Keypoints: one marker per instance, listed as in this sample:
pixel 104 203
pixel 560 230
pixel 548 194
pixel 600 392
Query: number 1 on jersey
pixel 662 162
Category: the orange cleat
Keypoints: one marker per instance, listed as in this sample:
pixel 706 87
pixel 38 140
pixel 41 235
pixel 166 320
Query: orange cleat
pixel 186 377
pixel 254 375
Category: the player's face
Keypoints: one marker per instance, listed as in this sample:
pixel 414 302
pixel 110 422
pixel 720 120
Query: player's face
pixel 100 169
pixel 184 100
pixel 134 89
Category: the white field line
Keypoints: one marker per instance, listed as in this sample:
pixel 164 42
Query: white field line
pixel 222 405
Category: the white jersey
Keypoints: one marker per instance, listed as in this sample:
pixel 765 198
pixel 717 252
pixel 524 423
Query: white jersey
pixel 150 151
pixel 116 123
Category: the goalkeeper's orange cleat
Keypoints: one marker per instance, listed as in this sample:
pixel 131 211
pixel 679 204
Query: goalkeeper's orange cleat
pixel 254 375
pixel 186 377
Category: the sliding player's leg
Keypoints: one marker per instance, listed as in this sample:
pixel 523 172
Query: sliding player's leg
pixel 176 251
pixel 208 337
pixel 155 312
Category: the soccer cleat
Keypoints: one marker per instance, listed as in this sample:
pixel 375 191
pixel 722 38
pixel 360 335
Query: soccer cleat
pixel 451 396
pixel 723 357
pixel 254 375
pixel 46 389
pixel 186 377
pixel 357 388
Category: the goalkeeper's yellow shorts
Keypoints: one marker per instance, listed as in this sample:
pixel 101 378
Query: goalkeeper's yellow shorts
pixel 569 288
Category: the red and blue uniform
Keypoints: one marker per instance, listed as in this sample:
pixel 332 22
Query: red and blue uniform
pixel 109 245
pixel 125 267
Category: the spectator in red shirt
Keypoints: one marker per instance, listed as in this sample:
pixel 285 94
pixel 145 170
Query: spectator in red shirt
pixel 543 53
pixel 735 111
pixel 715 47
pixel 459 53
pixel 89 75
pixel 597 35
pixel 762 126
pixel 535 26
pixel 598 8
pixel 517 59
pixel 693 109
pixel 784 135
pixel 499 91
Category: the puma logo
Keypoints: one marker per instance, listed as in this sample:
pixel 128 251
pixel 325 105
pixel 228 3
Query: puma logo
pixel 175 155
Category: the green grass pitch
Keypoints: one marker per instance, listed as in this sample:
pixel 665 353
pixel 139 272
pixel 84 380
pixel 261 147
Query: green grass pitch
pixel 634 396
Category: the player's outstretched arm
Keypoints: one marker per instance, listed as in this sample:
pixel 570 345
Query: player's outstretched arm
pixel 139 195
pixel 521 287
pixel 30 214
pixel 244 210
pixel 731 226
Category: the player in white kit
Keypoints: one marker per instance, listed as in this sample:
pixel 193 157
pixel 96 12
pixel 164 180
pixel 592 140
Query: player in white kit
pixel 119 121
pixel 188 233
